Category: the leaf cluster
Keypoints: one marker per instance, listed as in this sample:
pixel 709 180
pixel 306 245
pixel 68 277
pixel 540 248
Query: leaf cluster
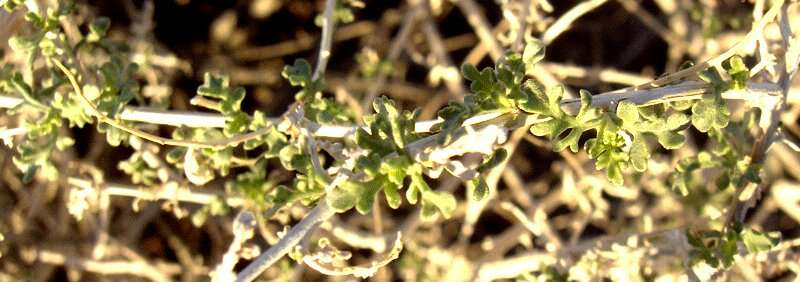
pixel 387 166
pixel 317 108
pixel 718 249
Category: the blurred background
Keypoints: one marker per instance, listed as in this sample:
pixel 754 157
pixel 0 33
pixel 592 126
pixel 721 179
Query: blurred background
pixel 552 212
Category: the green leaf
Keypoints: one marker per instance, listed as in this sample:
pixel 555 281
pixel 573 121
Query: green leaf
pixel 138 170
pixel 453 115
pixel 72 108
pixel 561 123
pixel 114 135
pixel 711 75
pixel 739 73
pixel 218 87
pixel 533 53
pixel 479 188
pixel 756 241
pixel 366 196
pixel 175 155
pixel 527 99
pixel 390 129
pixel 639 154
pixel 63 142
pixel 352 193
pixel 444 202
pixel 495 159
pixel 395 169
pixel 98 29
pixel 393 197
pixel 385 109
pixel 412 194
pixel 628 112
pixel 677 120
pixel 327 111
pixel 119 86
pixel 710 114
pixel 482 82
pixel 299 74
pixel 341 200
pixel 728 249
pixel 670 140
pixel 22 45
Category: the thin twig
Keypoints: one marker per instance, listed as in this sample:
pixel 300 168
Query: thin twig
pixel 754 34
pixel 478 22
pixel 306 42
pixel 165 192
pixel 650 21
pixel 523 26
pixel 319 214
pixel 396 46
pixel 691 90
pixel 565 21
pixel 325 43
pixel 454 82
pixel 322 211
pixel 110 267
pixel 747 196
pixel 591 75
pixel 243 229
pixel 148 136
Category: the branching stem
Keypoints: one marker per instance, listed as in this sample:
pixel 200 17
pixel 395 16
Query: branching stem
pixel 319 214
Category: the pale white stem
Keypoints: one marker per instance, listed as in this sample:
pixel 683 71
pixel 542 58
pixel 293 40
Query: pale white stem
pixel 243 227
pixel 167 192
pixel 325 42
pixel 355 238
pixel 173 118
pixel 319 214
pixel 479 23
pixel 513 267
pixel 523 25
pixel 7 134
pixel 9 101
pixel 682 91
pixel 110 267
pixel 565 21
pixel 595 74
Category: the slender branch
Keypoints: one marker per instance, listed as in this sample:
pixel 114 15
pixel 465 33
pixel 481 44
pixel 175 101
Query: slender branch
pixel 319 214
pixel 166 192
pixel 591 75
pixel 323 262
pixel 325 43
pixel 565 21
pixel 358 239
pixel 755 92
pixel 478 22
pixel 112 267
pixel 513 267
pixel 453 82
pixel 754 34
pixel 243 228
pixel 652 22
pixel 9 101
pixel 7 133
pixel 747 196
pixel 394 51
pixel 218 144
pixel 305 42
pixel 523 26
